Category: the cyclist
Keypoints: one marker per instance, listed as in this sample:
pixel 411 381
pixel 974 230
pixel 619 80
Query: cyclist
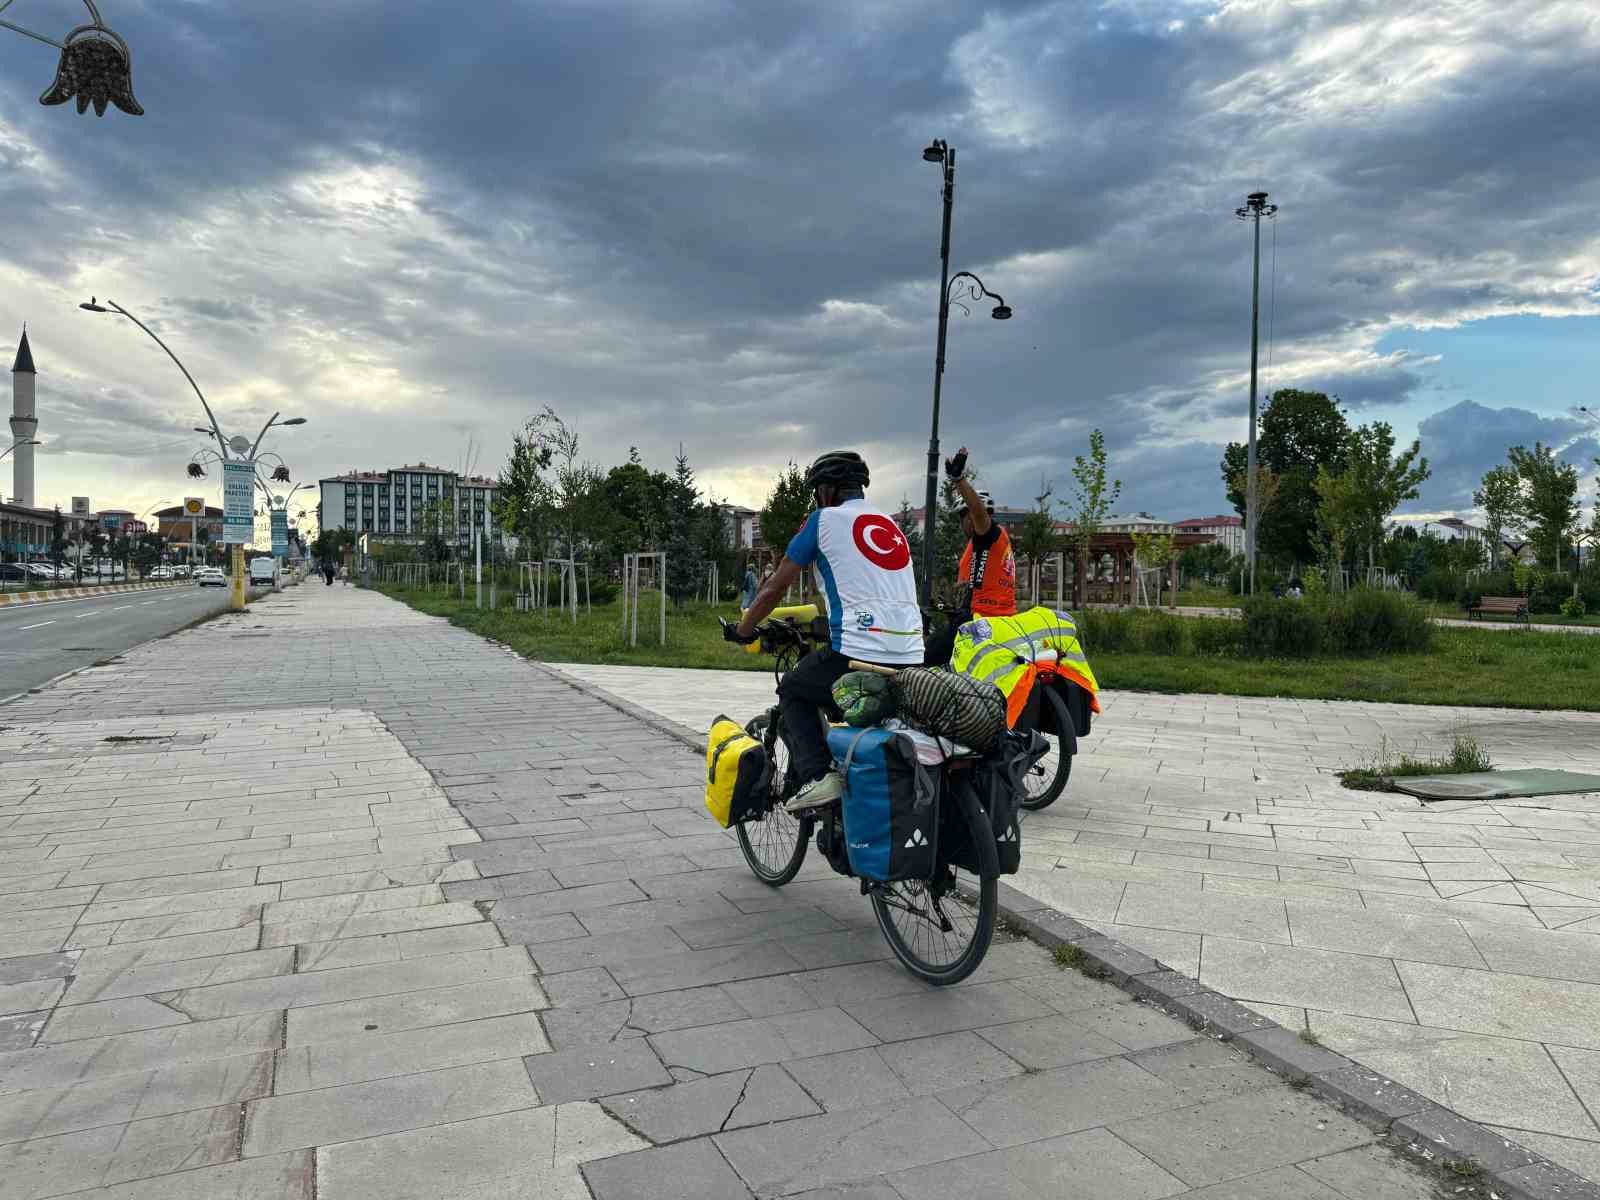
pixel 862 563
pixel 988 568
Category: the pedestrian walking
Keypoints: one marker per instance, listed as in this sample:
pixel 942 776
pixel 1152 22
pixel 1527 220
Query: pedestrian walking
pixel 747 592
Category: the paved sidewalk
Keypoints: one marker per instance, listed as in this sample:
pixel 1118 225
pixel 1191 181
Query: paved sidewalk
pixel 1454 947
pixel 401 915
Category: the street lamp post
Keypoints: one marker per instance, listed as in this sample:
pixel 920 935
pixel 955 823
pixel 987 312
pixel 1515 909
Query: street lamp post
pixel 941 152
pixel 1254 208
pixel 241 448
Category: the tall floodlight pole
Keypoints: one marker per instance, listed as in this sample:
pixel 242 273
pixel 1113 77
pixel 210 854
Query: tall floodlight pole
pixel 938 151
pixel 1254 208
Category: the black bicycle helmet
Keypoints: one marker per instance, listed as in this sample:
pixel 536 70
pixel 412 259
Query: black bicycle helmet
pixel 988 502
pixel 838 468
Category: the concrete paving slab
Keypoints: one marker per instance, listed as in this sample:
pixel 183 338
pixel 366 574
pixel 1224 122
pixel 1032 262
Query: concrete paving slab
pixel 528 756
pixel 1351 983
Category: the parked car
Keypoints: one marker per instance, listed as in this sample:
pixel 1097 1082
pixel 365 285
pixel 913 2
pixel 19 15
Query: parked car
pixel 210 576
pixel 264 570
pixel 182 571
pixel 42 571
pixel 161 573
pixel 15 573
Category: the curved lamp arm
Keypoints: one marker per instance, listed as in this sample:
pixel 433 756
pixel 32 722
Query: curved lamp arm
pixel 94 17
pixel 216 429
pixel 976 291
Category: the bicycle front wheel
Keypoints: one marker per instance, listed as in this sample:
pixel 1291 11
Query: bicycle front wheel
pixel 774 845
pixel 1047 778
pixel 940 930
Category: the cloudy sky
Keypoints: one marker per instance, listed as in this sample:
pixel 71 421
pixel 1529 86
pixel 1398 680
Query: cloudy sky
pixel 710 223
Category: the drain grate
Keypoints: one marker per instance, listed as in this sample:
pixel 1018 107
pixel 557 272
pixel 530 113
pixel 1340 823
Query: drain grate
pixel 125 737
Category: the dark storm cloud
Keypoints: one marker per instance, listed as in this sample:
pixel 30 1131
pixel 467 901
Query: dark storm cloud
pixel 709 221
pixel 1468 439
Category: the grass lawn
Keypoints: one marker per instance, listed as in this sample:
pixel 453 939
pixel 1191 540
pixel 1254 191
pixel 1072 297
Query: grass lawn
pixel 694 638
pixel 1466 666
pixel 1200 595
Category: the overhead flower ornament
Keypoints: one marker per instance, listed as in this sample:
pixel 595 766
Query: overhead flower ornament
pixel 96 65
pixel 281 474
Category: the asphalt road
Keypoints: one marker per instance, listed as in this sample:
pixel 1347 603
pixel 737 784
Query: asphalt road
pixel 40 641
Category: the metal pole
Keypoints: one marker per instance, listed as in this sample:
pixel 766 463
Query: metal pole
pixel 477 566
pixel 930 511
pixel 1250 459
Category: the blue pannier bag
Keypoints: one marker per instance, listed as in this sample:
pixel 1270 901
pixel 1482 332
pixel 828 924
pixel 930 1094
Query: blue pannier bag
pixel 891 804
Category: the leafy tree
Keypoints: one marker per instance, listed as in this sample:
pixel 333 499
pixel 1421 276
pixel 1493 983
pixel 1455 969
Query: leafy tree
pixel 1379 481
pixel 202 539
pixel 1092 499
pixel 626 509
pixel 1153 551
pixel 1549 499
pixel 58 538
pixel 121 549
pixel 786 508
pixel 525 500
pixel 1299 432
pixel 686 564
pixel 437 523
pixel 1207 560
pixel 94 538
pixel 1340 512
pixel 1500 497
pixel 1037 537
pixel 146 552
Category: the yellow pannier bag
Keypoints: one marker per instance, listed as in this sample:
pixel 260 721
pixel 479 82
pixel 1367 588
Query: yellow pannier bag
pixel 738 774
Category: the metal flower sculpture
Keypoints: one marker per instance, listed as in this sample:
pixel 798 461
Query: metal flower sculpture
pixel 281 474
pixel 196 471
pixel 96 66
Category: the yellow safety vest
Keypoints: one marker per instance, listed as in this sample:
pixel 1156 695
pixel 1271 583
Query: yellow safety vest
pixel 1002 650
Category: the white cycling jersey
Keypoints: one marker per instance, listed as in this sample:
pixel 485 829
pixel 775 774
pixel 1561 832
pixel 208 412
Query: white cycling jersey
pixel 862 563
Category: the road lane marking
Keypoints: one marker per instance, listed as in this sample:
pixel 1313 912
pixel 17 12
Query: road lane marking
pixel 144 602
pixel 40 625
pixel 90 613
pixel 120 607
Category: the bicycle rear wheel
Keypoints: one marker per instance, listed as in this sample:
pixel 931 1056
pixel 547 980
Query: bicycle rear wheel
pixel 774 846
pixel 941 930
pixel 1047 778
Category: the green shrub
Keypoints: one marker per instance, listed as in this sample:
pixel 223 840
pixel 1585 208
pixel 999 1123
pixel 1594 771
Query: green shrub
pixel 1353 624
pixel 1107 630
pixel 1163 633
pixel 1216 636
pixel 1573 606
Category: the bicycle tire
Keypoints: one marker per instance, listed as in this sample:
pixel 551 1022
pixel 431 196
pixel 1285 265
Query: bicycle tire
pixel 909 895
pixel 777 849
pixel 1053 779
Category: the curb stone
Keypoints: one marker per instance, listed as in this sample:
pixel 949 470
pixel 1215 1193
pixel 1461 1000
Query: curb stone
pixel 1424 1127
pixel 27 599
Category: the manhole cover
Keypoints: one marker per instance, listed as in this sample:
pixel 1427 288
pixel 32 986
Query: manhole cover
pixel 1498 785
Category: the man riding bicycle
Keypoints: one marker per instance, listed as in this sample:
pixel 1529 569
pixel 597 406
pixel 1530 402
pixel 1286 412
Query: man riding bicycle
pixel 988 568
pixel 862 564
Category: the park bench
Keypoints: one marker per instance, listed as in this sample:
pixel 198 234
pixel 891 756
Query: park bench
pixel 1511 606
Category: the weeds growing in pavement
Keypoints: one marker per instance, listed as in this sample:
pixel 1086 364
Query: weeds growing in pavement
pixel 1465 756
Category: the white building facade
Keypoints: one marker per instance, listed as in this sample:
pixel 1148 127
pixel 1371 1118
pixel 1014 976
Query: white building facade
pixel 409 503
pixel 1227 532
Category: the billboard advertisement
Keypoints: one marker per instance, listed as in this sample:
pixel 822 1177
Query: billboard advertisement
pixel 280 533
pixel 238 502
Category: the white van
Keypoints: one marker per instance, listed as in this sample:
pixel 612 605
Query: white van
pixel 264 571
